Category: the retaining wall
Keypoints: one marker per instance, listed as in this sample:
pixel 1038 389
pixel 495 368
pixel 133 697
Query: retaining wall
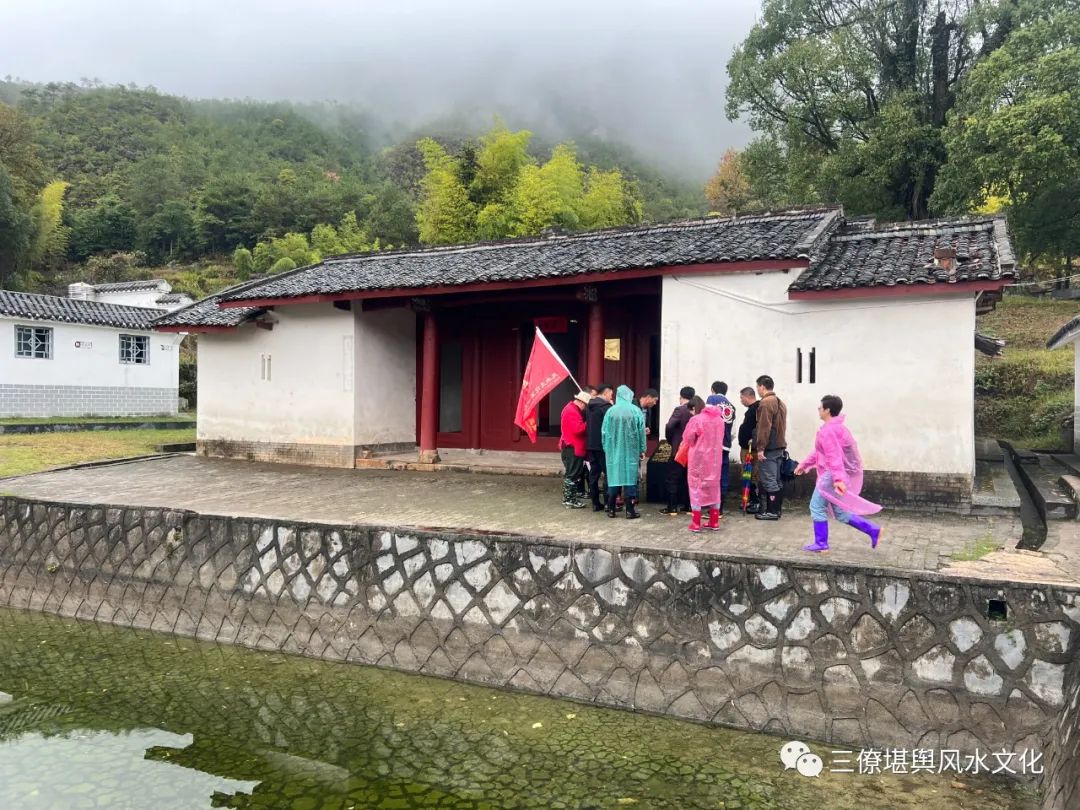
pixel 851 656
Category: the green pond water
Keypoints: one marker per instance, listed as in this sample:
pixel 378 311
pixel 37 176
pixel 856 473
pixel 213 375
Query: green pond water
pixel 101 717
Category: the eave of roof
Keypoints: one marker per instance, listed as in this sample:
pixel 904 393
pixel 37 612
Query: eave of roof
pixel 863 259
pixel 1068 333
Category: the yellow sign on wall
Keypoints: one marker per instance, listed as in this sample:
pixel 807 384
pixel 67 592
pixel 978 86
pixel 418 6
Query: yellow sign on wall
pixel 612 349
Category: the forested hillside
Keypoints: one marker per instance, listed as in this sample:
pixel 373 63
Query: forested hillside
pixel 113 182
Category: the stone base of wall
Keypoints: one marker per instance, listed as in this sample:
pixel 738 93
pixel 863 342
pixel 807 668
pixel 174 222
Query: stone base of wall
pixel 850 656
pixel 904 490
pixel 86 400
pixel 315 455
pixel 366 451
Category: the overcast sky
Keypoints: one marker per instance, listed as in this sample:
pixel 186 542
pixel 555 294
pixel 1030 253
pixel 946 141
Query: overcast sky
pixel 648 72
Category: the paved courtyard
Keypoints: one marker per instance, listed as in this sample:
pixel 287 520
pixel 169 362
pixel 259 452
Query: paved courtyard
pixel 530 506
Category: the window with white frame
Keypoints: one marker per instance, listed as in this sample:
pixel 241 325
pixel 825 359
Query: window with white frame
pixel 135 349
pixel 33 341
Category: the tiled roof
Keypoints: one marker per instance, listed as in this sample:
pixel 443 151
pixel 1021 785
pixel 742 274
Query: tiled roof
pixel 170 298
pixel 854 254
pixel 1065 334
pixel 863 254
pixel 207 312
pixel 122 286
pixel 789 235
pixel 33 307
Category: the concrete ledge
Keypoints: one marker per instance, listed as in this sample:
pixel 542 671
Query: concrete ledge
pixel 71 427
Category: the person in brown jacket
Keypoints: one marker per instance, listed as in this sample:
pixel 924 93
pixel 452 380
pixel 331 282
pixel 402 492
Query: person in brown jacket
pixel 770 441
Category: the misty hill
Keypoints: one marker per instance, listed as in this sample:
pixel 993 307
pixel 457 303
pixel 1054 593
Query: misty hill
pixel 181 180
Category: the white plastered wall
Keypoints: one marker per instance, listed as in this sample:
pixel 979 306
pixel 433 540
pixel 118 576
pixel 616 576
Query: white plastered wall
pixel 335 378
pixel 89 356
pixel 308 398
pixel 385 349
pixel 903 366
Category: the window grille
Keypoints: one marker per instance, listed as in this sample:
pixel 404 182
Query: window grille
pixel 135 349
pixel 33 341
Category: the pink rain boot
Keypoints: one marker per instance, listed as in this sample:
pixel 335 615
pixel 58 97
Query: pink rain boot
pixel 871 530
pixel 821 537
pixel 714 520
pixel 695 523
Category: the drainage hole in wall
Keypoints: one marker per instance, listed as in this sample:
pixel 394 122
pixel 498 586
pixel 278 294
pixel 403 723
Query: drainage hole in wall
pixel 997 610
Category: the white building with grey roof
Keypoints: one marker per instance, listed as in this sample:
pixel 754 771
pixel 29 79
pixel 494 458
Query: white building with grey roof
pixel 425 349
pixel 93 353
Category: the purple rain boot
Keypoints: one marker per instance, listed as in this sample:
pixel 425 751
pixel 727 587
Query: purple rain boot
pixel 872 530
pixel 821 537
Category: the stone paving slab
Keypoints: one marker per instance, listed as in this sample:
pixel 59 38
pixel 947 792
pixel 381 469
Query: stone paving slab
pixel 526 506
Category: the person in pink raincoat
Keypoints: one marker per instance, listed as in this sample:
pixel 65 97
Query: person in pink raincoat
pixel 839 478
pixel 704 438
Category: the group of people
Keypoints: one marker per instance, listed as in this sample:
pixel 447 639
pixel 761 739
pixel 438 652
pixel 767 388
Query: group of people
pixel 604 433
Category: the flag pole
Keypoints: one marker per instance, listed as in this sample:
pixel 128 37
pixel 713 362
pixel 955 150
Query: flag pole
pixel 554 353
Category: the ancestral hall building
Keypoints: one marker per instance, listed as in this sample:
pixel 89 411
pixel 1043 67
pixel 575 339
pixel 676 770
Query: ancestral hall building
pixel 426 348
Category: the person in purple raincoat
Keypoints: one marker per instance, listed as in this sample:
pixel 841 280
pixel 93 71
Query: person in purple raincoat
pixel 839 478
pixel 704 435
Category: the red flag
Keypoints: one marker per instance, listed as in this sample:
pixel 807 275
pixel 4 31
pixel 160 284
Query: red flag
pixel 543 373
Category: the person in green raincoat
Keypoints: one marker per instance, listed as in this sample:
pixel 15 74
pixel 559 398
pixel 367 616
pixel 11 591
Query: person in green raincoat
pixel 623 435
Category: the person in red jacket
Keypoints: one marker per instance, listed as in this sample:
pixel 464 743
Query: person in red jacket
pixel 572 446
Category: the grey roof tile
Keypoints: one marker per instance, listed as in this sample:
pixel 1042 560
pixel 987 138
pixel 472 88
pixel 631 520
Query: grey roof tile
pixel 789 235
pixel 864 254
pixel 34 307
pixel 121 286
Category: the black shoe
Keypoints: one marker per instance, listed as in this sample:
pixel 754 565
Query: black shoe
pixel 631 509
pixel 766 516
pixel 597 507
pixel 670 511
pixel 778 508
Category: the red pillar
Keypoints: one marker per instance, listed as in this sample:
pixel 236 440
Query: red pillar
pixel 594 366
pixel 429 392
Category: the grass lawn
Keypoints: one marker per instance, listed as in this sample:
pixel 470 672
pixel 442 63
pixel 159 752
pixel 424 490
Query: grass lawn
pixel 1026 396
pixel 75 420
pixel 26 453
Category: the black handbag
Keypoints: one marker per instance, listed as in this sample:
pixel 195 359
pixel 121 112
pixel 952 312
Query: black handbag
pixel 788 465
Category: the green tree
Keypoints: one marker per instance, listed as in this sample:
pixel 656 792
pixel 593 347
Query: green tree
pixel 608 201
pixel 501 157
pixel 535 202
pixel 16 232
pixel 352 237
pixel 728 190
pixel 283 265
pixel 292 246
pixel 244 262
pixel 325 239
pixel 169 233
pixel 390 215
pixel 837 85
pixel 224 213
pixel 108 225
pixel 563 172
pixel 446 214
pixel 49 247
pixel 1016 135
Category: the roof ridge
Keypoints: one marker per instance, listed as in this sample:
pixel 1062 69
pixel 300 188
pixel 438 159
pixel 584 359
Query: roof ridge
pixel 549 238
pixel 78 301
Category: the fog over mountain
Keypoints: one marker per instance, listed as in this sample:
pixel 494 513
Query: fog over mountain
pixel 650 73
